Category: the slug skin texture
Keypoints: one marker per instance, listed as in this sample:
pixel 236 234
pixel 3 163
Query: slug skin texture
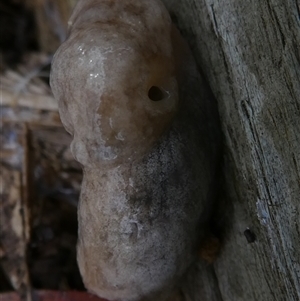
pixel 128 92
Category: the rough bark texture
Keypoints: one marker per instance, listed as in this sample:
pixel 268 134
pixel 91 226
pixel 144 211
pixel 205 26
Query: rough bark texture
pixel 249 53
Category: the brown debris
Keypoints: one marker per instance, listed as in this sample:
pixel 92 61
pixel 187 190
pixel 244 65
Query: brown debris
pixel 40 181
pixel 13 231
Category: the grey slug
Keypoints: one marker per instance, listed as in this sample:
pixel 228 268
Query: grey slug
pixel 130 94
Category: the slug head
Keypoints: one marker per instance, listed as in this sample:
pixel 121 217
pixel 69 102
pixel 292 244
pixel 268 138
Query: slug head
pixel 114 79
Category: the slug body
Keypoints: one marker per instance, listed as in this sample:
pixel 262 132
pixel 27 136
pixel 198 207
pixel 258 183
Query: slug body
pixel 127 89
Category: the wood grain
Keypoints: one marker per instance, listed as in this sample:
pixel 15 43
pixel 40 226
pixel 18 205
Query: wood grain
pixel 249 54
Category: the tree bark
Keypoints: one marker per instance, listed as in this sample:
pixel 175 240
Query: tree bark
pixel 249 53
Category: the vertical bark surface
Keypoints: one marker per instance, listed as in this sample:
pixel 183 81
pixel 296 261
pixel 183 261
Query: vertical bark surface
pixel 249 52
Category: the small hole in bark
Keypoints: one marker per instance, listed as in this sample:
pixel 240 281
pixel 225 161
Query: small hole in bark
pixel 155 93
pixel 250 236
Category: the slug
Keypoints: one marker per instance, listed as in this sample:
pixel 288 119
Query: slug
pixel 130 94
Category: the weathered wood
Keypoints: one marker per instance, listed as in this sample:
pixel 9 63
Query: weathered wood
pixel 249 52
